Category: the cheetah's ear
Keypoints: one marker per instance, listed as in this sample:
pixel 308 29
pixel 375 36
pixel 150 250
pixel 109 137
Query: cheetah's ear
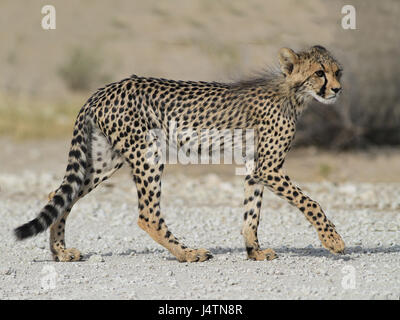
pixel 287 59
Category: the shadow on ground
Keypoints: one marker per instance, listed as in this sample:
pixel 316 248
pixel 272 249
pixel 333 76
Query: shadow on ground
pixel 311 252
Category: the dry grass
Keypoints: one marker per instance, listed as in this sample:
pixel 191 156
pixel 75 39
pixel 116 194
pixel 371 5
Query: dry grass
pixel 82 69
pixel 26 117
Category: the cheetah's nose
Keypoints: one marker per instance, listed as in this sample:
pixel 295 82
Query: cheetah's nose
pixel 336 90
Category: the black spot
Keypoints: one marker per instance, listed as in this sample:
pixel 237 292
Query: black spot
pixel 58 200
pixel 46 218
pixel 66 189
pixel 52 210
pixel 75 154
pixel 37 226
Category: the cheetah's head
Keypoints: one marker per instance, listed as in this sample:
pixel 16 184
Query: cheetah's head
pixel 314 73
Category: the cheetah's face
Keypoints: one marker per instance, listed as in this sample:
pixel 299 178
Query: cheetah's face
pixel 315 73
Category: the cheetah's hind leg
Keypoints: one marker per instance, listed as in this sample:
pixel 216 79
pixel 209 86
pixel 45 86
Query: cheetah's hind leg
pixel 57 241
pixel 148 182
pixel 102 162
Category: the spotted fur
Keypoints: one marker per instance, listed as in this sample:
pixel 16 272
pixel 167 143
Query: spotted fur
pixel 112 127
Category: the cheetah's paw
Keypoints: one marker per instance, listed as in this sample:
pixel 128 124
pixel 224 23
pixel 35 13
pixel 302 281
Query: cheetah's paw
pixel 333 242
pixel 67 255
pixel 266 254
pixel 195 255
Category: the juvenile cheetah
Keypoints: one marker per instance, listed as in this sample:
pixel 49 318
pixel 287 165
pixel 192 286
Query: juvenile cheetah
pixel 112 125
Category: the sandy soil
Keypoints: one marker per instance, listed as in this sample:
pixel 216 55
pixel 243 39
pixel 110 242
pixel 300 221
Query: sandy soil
pixel 203 207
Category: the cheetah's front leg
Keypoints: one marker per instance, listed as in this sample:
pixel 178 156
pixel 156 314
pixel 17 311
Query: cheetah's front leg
pixel 283 187
pixel 252 203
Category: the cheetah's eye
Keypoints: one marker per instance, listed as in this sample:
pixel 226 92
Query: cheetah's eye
pixel 338 73
pixel 320 73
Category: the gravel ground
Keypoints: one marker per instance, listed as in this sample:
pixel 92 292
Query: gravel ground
pixel 122 262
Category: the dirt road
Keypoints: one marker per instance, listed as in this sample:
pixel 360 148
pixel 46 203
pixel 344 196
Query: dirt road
pixel 204 210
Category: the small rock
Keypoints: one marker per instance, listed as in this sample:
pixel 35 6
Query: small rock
pixel 10 271
pixel 96 258
pixel 368 196
pixel 348 189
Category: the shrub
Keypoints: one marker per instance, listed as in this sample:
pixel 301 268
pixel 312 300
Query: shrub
pixel 81 70
pixel 368 113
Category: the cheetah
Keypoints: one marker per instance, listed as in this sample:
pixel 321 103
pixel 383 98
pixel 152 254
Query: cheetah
pixel 112 126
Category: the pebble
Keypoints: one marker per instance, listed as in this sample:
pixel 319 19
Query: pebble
pixel 9 271
pixel 96 258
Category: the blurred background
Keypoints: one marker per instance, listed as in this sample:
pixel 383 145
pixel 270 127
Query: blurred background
pixel 46 75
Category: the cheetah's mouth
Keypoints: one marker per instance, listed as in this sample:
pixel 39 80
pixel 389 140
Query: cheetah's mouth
pixel 329 100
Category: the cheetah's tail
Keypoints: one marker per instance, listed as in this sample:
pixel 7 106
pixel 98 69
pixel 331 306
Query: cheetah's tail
pixel 70 186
